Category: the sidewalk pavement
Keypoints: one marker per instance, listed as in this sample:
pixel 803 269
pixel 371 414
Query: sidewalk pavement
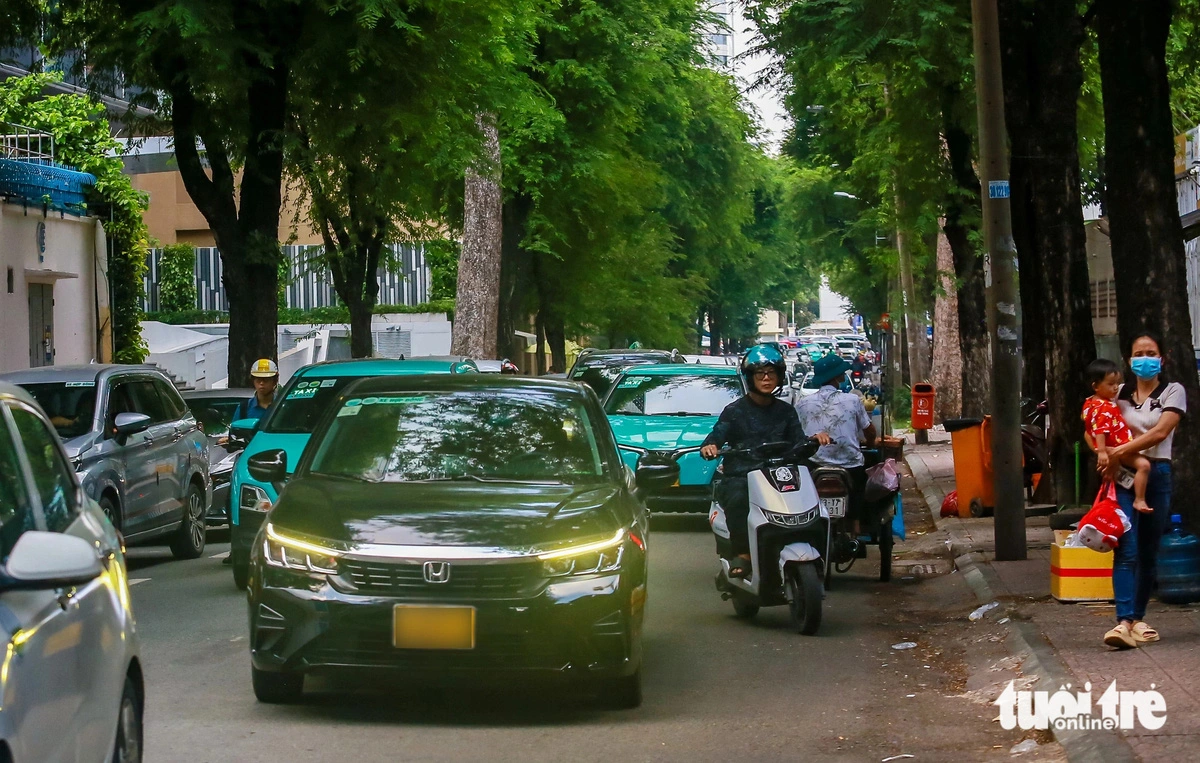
pixel 1061 643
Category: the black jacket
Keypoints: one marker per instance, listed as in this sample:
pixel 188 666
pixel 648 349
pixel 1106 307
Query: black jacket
pixel 745 424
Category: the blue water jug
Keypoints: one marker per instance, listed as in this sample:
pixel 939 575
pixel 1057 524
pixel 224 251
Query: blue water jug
pixel 1178 565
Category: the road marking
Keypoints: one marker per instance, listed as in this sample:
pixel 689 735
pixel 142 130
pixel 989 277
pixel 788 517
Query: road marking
pixel 221 555
pixel 135 581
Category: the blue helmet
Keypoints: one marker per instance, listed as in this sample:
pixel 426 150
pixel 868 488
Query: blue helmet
pixel 763 356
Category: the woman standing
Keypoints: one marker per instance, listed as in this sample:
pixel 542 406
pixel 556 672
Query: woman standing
pixel 1152 408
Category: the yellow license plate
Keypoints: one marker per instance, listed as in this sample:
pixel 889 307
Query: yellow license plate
pixel 418 626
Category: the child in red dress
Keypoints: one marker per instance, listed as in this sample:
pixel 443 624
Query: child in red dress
pixel 1103 422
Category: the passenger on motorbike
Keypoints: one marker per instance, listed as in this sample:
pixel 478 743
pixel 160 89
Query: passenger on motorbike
pixel 843 416
pixel 748 422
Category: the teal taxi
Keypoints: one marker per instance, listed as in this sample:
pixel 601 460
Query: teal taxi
pixel 668 410
pixel 288 426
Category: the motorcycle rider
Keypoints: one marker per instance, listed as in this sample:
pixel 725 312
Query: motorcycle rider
pixel 753 420
pixel 844 417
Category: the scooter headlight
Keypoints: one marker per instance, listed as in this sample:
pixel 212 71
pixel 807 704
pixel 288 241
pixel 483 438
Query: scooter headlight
pixel 791 520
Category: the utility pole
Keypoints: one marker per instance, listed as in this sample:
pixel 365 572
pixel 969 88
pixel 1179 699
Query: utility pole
pixel 1003 295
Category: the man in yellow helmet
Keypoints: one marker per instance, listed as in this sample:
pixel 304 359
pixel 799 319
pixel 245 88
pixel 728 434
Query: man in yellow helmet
pixel 265 375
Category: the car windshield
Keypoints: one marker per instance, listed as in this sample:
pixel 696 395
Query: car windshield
pixel 482 435
pixel 70 406
pixel 641 395
pixel 214 414
pixel 303 403
pixel 809 383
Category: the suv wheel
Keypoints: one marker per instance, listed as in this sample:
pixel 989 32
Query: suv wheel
pixel 188 542
pixel 111 510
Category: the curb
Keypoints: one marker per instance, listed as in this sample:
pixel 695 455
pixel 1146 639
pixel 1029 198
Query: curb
pixel 1039 659
pixel 925 484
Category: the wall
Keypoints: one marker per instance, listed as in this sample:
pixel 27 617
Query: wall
pixel 69 263
pixel 173 218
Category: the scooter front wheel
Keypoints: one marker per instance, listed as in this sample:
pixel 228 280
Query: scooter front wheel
pixel 804 595
pixel 743 607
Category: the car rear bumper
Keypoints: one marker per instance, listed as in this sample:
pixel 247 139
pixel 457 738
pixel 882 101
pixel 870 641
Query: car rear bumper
pixel 589 627
pixel 681 499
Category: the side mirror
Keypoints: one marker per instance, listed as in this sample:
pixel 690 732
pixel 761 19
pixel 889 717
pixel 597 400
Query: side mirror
pixel 43 560
pixel 269 466
pixel 126 424
pixel 656 473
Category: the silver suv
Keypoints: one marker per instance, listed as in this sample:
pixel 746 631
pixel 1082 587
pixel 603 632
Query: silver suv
pixel 134 444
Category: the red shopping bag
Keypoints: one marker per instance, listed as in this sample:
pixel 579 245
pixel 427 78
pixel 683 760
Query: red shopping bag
pixel 1102 527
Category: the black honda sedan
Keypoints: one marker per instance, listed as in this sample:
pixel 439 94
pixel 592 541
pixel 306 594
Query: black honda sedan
pixel 453 526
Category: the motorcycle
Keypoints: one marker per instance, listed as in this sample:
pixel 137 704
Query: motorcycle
pixel 789 538
pixel 833 486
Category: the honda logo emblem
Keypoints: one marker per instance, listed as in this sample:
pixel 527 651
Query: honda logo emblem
pixel 437 572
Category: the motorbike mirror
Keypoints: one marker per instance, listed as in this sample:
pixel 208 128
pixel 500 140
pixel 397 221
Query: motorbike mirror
pixel 656 473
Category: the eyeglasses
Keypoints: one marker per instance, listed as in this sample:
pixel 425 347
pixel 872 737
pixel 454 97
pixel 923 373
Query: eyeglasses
pixel 767 374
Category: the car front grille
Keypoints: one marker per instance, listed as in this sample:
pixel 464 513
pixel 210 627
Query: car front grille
pixel 508 580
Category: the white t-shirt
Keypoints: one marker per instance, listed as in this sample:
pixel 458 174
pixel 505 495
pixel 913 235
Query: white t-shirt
pixel 1142 418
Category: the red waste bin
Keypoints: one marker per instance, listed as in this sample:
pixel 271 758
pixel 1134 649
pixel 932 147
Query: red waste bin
pixel 922 406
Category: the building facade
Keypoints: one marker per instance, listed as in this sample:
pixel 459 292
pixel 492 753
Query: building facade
pixel 54 298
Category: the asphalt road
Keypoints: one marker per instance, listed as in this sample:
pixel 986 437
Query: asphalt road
pixel 716 688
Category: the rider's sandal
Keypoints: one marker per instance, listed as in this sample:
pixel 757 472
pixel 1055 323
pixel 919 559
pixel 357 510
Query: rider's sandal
pixel 739 568
pixel 1120 637
pixel 1143 633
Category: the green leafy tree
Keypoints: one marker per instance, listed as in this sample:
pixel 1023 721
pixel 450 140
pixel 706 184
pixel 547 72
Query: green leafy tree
pixel 382 127
pixel 82 139
pixel 177 278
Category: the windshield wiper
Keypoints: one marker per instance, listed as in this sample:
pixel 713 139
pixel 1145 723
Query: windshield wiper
pixel 682 413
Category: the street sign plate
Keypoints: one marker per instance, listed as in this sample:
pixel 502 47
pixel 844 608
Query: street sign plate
pixel 999 189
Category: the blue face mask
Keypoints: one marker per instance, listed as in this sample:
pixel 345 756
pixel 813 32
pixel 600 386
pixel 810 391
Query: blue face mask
pixel 1146 368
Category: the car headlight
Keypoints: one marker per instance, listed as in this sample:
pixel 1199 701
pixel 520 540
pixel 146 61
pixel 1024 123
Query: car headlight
pixel 289 553
pixel 586 559
pixel 254 498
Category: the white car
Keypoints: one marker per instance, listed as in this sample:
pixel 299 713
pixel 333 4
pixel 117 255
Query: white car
pixel 71 678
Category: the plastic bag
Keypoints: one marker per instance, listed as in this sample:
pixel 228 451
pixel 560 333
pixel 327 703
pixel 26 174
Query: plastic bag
pixel 898 518
pixel 882 481
pixel 950 504
pixel 1102 527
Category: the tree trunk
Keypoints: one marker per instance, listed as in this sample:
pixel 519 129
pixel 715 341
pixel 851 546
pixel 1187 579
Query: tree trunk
pixel 1149 262
pixel 1042 80
pixel 960 224
pixel 247 232
pixel 556 336
pixel 947 359
pixel 477 307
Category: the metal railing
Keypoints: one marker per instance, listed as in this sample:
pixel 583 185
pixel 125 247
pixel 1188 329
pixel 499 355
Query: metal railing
pixel 25 144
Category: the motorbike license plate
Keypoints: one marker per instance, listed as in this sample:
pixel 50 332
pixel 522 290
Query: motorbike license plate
pixel 835 507
pixel 433 627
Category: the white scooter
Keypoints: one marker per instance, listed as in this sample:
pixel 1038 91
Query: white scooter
pixel 789 538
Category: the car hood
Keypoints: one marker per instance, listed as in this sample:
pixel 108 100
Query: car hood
pixel 667 433
pixel 77 445
pixel 492 515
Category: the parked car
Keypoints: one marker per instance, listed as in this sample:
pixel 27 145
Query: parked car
pixel 504 366
pixel 72 679
pixel 598 368
pixel 297 409
pixel 214 410
pixel 452 526
pixel 136 447
pixel 668 408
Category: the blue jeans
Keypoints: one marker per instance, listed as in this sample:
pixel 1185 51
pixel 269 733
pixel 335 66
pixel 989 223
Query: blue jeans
pixel 1135 559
